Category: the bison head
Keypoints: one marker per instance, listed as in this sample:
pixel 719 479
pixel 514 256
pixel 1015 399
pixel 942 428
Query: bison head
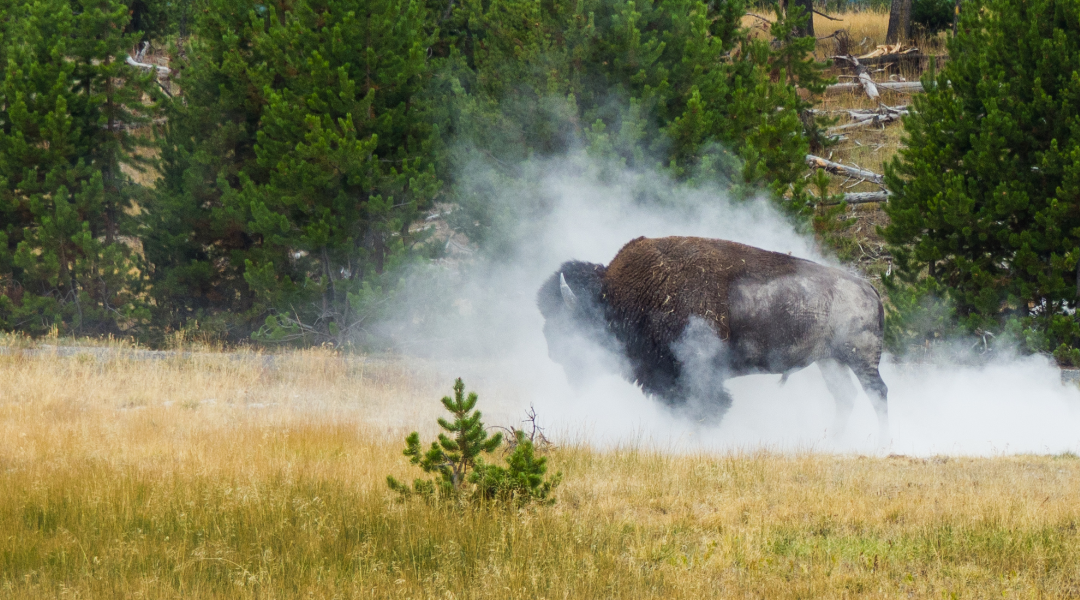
pixel 575 319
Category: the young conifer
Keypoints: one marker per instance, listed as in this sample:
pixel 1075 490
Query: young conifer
pixel 986 212
pixel 457 460
pixel 451 458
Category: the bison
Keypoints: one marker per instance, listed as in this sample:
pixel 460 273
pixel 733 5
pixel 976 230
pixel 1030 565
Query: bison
pixel 684 314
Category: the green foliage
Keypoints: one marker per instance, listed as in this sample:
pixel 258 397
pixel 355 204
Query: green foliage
pixel 987 200
pixel 456 460
pixel 294 167
pixel 917 315
pixel 69 106
pixel 674 85
pixel 160 19
pixel 831 223
pixel 521 481
pixel 933 16
pixel 310 136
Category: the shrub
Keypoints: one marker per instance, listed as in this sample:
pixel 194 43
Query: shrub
pixel 458 465
pixel 932 16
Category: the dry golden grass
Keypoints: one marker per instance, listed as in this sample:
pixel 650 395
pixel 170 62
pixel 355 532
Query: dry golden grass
pixel 865 30
pixel 120 478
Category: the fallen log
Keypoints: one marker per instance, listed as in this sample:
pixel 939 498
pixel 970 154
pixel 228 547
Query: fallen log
pixel 904 59
pixel 160 70
pixel 865 80
pixel 860 198
pixel 867 121
pixel 866 197
pixel 906 87
pixel 886 49
pixel 839 169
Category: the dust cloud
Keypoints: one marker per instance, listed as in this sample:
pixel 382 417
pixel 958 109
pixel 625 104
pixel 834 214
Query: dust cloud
pixel 476 317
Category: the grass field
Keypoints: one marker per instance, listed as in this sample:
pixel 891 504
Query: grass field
pixel 234 476
pixel 212 475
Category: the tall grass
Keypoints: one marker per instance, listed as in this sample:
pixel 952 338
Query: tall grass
pixel 121 478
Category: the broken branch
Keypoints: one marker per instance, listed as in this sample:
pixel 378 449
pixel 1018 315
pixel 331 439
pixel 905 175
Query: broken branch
pixel 826 16
pixel 862 198
pixel 161 70
pixel 905 87
pixel 838 169
pixel 867 120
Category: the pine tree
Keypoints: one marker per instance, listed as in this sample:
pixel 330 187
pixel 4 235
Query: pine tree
pixel 317 108
pixel 347 149
pixel 450 458
pixel 458 460
pixel 987 203
pixel 675 85
pixel 69 105
pixel 195 228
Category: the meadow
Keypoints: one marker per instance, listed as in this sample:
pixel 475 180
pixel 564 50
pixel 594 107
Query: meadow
pixel 210 474
pixel 243 475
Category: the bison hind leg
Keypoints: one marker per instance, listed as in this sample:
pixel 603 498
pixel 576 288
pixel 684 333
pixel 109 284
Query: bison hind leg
pixel 870 379
pixel 838 381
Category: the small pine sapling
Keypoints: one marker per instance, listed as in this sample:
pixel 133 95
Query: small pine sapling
pixel 458 460
pixel 521 481
pixel 450 458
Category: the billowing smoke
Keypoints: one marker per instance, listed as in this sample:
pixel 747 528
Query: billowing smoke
pixel 476 316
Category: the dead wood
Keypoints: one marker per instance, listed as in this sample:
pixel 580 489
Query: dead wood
pixel 903 87
pixel 863 197
pixel 865 80
pixel 160 70
pixel 839 169
pixel 816 11
pixel 869 119
pixel 913 58
pixel 887 49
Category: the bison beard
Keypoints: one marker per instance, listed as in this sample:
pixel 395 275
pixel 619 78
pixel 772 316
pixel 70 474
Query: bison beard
pixel 687 313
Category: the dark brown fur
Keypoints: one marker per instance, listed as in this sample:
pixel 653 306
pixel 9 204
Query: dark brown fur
pixel 676 277
pixel 642 305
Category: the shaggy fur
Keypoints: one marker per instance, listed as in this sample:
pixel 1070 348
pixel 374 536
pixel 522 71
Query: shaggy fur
pixel 761 311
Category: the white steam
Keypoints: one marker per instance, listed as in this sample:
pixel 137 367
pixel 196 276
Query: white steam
pixel 479 317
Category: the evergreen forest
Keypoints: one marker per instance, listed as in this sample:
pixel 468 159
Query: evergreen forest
pixel 265 183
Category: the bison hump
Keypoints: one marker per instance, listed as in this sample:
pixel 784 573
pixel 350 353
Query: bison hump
pixel 654 286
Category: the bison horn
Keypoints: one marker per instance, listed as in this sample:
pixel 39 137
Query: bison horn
pixel 567 294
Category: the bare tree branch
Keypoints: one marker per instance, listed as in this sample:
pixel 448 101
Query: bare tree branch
pixel 839 169
pixel 161 70
pixel 826 16
pixel 904 87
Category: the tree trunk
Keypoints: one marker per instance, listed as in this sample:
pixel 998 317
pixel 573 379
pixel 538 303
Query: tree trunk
pixel 808 10
pixel 907 87
pixel 817 162
pixel 899 22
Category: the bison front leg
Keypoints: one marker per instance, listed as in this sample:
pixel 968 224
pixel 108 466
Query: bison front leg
pixel 708 406
pixel 699 396
pixel 702 370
